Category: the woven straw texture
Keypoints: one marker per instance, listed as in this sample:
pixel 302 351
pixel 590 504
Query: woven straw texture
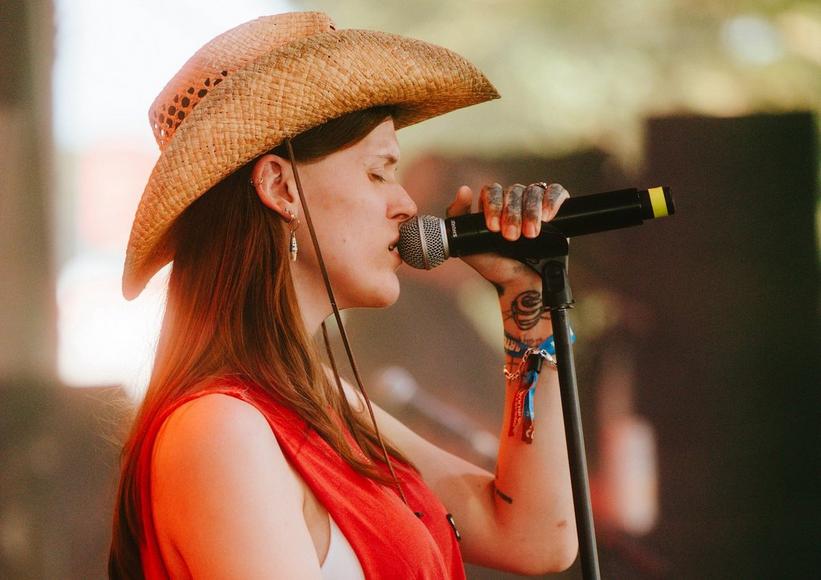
pixel 252 87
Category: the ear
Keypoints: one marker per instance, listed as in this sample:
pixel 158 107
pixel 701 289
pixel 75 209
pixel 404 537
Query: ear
pixel 273 180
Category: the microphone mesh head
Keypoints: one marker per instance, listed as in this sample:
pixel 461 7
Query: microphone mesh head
pixel 422 242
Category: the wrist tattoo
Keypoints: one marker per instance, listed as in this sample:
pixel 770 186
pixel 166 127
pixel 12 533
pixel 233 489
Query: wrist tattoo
pixel 516 346
pixel 527 310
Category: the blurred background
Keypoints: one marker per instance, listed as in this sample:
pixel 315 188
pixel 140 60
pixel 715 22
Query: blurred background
pixel 698 347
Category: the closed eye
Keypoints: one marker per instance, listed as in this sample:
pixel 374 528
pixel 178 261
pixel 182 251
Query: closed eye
pixel 378 178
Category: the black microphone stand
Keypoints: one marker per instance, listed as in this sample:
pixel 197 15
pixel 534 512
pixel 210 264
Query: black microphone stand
pixel 557 298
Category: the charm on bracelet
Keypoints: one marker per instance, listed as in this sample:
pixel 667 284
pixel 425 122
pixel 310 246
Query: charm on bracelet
pixel 523 410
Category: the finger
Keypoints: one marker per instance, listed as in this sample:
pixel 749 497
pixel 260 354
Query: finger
pixel 461 203
pixel 512 212
pixel 532 210
pixel 490 200
pixel 554 197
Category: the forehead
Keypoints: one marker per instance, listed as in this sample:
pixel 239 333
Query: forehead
pixel 381 142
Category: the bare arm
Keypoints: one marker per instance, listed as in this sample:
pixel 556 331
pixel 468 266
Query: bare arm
pixel 534 532
pixel 532 494
pixel 522 518
pixel 225 500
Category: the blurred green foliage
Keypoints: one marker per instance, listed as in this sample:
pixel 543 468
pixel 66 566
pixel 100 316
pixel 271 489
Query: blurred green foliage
pixel 586 73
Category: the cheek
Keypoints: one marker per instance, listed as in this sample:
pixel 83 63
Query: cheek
pixel 347 216
pixel 342 239
pixel 355 223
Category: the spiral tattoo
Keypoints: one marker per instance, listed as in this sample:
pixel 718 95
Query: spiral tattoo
pixel 527 310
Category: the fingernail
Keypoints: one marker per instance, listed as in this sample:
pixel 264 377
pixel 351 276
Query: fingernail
pixel 495 224
pixel 529 230
pixel 511 232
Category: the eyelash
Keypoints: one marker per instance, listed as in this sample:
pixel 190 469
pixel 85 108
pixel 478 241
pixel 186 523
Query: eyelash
pixel 378 178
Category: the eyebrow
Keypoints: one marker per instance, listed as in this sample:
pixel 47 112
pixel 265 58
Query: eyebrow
pixel 392 160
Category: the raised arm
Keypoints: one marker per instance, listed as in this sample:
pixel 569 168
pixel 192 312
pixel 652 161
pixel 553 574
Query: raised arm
pixel 521 518
pixel 531 491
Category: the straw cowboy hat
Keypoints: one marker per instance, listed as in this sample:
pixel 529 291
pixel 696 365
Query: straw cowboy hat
pixel 254 86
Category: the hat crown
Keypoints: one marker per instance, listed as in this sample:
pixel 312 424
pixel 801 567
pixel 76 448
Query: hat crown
pixel 277 77
pixel 220 57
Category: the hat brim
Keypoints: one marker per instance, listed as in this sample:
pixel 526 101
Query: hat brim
pixel 279 95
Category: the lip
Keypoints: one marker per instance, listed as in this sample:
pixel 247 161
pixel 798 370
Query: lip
pixel 393 248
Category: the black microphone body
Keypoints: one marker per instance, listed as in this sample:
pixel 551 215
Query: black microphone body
pixel 424 245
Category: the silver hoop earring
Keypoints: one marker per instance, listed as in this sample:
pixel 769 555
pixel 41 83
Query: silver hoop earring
pixel 293 223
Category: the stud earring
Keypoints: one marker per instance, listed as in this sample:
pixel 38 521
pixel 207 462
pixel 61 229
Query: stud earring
pixel 293 223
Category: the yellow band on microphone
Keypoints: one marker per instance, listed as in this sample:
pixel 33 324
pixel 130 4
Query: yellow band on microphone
pixel 657 201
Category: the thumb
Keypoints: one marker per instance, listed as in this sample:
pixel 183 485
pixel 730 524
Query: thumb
pixel 461 203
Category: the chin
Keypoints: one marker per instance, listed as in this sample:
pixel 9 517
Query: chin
pixel 387 299
pixel 383 296
pixel 380 292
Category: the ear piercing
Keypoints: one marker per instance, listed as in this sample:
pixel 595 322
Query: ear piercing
pixel 293 223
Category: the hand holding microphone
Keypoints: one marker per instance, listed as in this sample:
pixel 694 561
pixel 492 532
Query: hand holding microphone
pixel 519 210
pixel 426 241
pixel 516 212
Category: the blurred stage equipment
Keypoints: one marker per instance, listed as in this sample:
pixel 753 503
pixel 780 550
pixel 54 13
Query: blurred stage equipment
pixel 730 377
pixel 397 386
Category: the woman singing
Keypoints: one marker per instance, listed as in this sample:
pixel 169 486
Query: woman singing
pixel 275 195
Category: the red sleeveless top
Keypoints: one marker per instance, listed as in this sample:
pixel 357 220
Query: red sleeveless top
pixel 389 540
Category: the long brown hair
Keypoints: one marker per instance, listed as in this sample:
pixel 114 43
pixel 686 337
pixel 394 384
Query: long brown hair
pixel 232 310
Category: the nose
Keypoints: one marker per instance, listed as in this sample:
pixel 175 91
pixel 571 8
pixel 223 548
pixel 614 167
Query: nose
pixel 403 206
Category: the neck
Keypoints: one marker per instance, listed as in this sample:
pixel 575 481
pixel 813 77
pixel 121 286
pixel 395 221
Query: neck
pixel 312 297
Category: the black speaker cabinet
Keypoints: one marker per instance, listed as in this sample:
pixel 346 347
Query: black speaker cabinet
pixel 730 375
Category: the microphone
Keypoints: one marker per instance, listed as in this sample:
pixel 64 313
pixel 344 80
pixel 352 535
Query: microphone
pixel 426 241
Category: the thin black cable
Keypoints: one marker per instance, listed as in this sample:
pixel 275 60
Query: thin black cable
pixel 339 324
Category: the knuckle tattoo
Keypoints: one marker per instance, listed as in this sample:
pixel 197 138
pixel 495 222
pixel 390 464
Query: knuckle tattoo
pixel 533 201
pixel 494 196
pixel 513 207
pixel 555 192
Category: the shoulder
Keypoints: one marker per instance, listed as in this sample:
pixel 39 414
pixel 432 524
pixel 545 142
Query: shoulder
pixel 217 435
pixel 214 417
pixel 219 479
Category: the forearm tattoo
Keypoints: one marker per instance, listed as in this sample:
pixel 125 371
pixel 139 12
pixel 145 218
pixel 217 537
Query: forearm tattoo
pixel 502 495
pixel 527 310
pixel 518 270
